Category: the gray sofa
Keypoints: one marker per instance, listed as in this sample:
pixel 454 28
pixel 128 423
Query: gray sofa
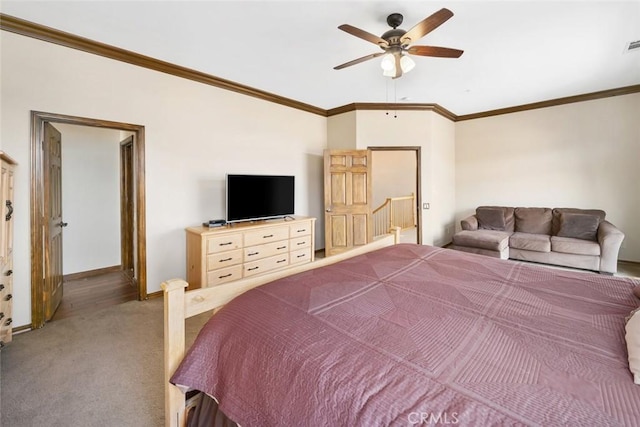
pixel 578 238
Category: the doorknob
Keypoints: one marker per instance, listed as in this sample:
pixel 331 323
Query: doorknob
pixel 62 224
pixel 328 210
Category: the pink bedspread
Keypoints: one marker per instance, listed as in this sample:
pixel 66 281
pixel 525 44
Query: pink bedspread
pixel 413 334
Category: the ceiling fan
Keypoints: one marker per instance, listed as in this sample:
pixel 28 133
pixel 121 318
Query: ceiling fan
pixel 395 43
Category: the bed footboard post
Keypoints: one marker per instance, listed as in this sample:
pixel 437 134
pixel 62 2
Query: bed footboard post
pixel 174 341
pixel 396 234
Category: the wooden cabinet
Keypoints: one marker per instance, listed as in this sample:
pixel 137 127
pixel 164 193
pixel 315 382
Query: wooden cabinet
pixel 224 254
pixel 6 248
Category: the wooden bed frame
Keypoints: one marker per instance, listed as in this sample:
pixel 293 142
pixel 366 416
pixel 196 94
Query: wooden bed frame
pixel 180 304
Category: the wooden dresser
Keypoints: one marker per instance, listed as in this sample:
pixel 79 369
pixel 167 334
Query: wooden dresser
pixel 6 248
pixel 234 251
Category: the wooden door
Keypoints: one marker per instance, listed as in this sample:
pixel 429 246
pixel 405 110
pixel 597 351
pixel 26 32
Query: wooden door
pixel 127 198
pixel 52 167
pixel 347 199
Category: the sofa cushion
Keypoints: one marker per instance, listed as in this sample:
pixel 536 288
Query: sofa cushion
pixel 530 242
pixel 509 219
pixel 579 226
pixel 486 239
pixel 533 220
pixel 558 211
pixel 569 245
pixel 490 218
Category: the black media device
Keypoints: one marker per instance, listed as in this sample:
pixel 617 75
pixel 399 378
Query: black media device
pixel 254 197
pixel 215 223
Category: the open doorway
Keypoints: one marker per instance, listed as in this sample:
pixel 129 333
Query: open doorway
pixel 120 204
pixel 396 190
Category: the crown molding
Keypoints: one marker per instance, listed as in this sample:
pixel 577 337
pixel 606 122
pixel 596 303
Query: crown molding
pixel 553 102
pixel 51 35
pixel 363 106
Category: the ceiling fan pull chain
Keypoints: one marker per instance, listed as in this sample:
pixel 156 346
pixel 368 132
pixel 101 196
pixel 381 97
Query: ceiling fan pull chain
pixel 386 100
pixel 395 99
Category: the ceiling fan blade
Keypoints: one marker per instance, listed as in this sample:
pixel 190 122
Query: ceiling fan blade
pixel 440 52
pixel 359 60
pixel 363 35
pixel 427 25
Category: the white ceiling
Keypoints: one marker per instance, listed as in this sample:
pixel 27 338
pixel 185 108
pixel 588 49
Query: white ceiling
pixel 516 52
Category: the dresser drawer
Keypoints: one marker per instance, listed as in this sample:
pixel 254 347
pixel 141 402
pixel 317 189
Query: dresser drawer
pixel 253 253
pixel 224 259
pixel 5 287
pixel 265 264
pixel 300 242
pixel 300 256
pixel 302 228
pixel 268 235
pixel 5 314
pixel 224 243
pixel 224 275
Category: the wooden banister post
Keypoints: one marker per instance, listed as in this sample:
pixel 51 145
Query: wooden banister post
pixel 390 202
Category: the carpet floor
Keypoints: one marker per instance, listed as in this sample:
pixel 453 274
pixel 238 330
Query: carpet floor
pixel 100 369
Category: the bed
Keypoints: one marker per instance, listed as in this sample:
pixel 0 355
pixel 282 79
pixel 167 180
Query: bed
pixel 408 334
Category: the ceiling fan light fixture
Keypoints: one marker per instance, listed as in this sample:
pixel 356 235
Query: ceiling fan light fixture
pixel 388 62
pixel 390 73
pixel 407 64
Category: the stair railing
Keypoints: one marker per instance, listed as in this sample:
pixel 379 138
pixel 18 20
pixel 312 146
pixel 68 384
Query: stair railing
pixel 394 212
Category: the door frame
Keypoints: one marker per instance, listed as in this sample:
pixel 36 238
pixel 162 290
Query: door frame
pixel 127 206
pixel 37 221
pixel 418 151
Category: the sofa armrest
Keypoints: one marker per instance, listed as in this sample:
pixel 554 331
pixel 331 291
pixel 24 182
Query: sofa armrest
pixel 469 223
pixel 610 240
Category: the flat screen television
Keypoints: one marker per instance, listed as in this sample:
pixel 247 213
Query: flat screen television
pixel 254 197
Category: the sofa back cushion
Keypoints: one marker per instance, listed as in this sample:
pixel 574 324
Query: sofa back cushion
pixel 558 211
pixel 579 226
pixel 495 218
pixel 533 220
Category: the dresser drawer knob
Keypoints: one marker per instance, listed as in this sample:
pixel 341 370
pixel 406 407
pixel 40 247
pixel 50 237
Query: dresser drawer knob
pixel 9 321
pixel 225 260
pixel 281 247
pixel 253 253
pixel 9 273
pixel 1 286
pixel 225 276
pixel 252 268
pixel 1 316
pixel 301 256
pixel 267 236
pixel 8 297
pixel 301 243
pixel 226 243
pixel 281 260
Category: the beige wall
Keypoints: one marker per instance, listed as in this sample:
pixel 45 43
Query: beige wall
pixel 90 197
pixel 341 131
pixel 195 134
pixel 394 174
pixel 436 137
pixel 584 155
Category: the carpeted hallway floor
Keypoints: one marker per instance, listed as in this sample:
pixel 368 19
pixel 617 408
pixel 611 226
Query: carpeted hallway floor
pixel 101 369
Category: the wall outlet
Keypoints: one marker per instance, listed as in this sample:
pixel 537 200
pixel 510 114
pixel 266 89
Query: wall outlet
pixel 425 206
